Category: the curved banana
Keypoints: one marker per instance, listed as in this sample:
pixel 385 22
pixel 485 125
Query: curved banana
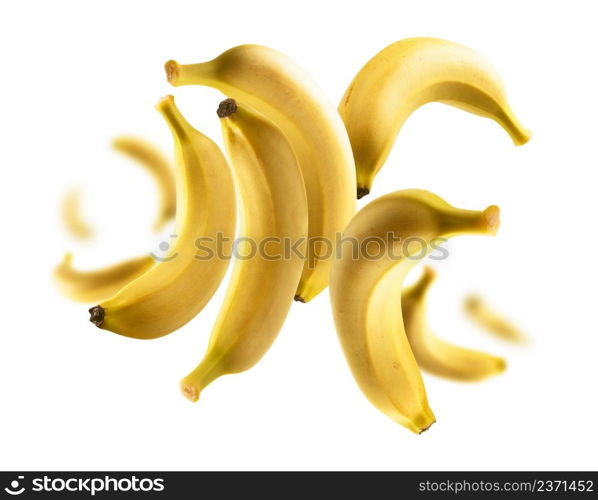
pixel 148 157
pixel 365 289
pixel 158 166
pixel 71 216
pixel 275 86
pixel 173 291
pixel 488 319
pixel 406 75
pixel 275 216
pixel 99 284
pixel 434 354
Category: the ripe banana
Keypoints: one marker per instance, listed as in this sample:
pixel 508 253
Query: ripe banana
pixel 275 86
pixel 73 222
pixel 97 285
pixel 274 211
pixel 156 164
pixel 173 291
pixel 406 75
pixel 431 352
pixel 365 292
pixel 482 314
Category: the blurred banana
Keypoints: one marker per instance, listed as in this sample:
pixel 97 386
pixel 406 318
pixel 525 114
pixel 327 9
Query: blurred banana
pixel 488 319
pixel 158 165
pixel 72 219
pixel 434 354
pixel 98 284
pixel 148 157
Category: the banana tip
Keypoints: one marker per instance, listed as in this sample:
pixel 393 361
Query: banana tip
pixel 492 219
pixel 429 273
pixel 298 298
pixel 472 302
pixel 189 391
pixel 426 428
pixel 172 71
pixel 501 365
pixel 96 315
pixel 226 108
pixel 362 191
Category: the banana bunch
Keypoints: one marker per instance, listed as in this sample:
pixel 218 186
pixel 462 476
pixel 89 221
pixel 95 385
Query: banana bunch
pixel 296 164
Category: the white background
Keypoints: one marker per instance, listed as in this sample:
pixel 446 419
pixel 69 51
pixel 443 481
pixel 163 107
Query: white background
pixel 73 75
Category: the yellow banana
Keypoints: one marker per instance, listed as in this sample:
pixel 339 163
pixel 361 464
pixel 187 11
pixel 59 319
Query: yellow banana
pixel 274 211
pixel 173 291
pixel 157 165
pixel 74 223
pixel 365 290
pixel 97 285
pixel 406 75
pixel 488 319
pixel 434 354
pixel 272 84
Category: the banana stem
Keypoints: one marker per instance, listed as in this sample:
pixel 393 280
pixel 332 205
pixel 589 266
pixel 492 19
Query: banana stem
pixel 423 284
pixel 202 376
pixel 187 74
pixel 171 68
pixel 472 221
pixel 175 120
